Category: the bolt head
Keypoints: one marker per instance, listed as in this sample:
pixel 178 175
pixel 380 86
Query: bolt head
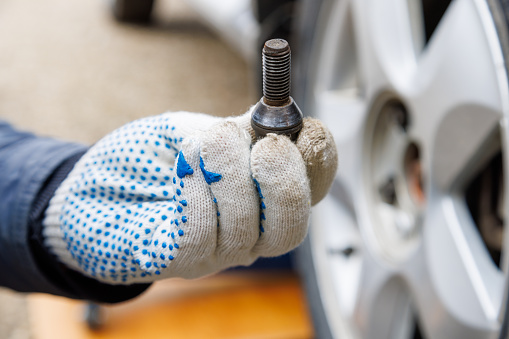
pixel 285 119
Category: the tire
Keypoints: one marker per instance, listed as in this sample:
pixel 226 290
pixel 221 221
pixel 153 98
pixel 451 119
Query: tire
pixel 410 241
pixel 134 11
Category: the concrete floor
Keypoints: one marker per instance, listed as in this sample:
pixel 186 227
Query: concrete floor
pixel 68 70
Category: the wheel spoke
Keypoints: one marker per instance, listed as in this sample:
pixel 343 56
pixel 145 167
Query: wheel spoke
pixel 465 141
pixel 459 71
pixel 337 63
pixel 346 112
pixel 383 305
pixel 462 284
pixel 388 42
pixel 337 256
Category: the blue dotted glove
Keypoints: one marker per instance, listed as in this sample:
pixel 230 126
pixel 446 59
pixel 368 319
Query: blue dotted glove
pixel 185 195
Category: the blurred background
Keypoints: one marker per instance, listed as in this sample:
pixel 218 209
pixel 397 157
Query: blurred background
pixel 69 70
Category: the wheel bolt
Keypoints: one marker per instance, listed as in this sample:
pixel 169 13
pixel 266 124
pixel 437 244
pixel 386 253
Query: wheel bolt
pixel 276 112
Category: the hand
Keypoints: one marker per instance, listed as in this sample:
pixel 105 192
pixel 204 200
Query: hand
pixel 185 195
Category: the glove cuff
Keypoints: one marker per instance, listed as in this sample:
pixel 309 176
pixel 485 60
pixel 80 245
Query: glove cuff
pixel 52 231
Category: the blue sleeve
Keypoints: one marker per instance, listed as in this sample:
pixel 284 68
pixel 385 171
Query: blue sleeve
pixel 31 169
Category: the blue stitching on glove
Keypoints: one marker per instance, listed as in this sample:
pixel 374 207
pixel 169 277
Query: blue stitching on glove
pixel 210 177
pixel 262 205
pixel 183 167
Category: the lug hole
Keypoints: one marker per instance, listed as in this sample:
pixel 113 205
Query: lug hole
pixel 400 115
pixel 413 174
pixel 388 191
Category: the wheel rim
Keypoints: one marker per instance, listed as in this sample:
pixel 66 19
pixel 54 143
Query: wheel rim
pixel 435 271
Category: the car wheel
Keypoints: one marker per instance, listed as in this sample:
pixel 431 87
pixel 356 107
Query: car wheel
pixel 410 242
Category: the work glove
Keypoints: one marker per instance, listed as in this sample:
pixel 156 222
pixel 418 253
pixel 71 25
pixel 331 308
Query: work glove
pixel 185 195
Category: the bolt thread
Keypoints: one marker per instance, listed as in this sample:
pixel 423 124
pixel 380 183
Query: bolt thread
pixel 276 61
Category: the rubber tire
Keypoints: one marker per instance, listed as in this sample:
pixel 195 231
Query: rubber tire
pixel 134 11
pixel 303 37
pixel 500 12
pixel 306 269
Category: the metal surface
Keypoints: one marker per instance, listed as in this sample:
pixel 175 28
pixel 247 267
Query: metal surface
pixel 276 66
pixel 276 112
pixel 419 260
pixel 285 119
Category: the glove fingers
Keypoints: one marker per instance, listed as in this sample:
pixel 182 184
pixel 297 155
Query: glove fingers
pixel 244 122
pixel 225 152
pixel 319 152
pixel 193 224
pixel 280 174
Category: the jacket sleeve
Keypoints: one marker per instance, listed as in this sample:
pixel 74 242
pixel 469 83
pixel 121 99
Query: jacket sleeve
pixel 31 168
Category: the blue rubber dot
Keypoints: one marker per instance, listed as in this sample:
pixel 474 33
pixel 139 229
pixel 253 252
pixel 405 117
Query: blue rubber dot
pixel 184 219
pixel 147 231
pixel 148 264
pixel 181 233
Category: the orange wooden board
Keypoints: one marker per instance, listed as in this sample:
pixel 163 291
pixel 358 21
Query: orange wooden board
pixel 230 305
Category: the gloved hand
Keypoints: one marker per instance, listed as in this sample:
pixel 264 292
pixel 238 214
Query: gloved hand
pixel 186 195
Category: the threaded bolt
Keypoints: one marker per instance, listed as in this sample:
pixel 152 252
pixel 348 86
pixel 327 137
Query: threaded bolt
pixel 276 61
pixel 276 112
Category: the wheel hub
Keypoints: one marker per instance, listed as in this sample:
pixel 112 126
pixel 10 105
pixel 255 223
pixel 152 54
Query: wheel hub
pixel 394 179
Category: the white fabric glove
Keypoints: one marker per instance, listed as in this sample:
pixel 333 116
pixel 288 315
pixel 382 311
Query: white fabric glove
pixel 185 195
